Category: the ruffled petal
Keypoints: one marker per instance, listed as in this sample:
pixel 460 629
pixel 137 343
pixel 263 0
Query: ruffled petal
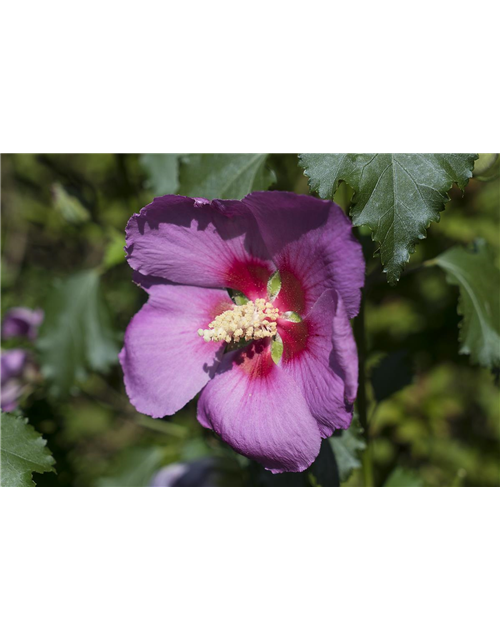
pixel 259 410
pixel 197 242
pixel 164 360
pixel 312 244
pixel 320 354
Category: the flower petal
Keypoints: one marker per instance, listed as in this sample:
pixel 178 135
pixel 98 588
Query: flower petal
pixel 14 364
pixel 312 244
pixel 259 410
pixel 164 360
pixel 197 242
pixel 320 354
pixel 21 322
pixel 11 392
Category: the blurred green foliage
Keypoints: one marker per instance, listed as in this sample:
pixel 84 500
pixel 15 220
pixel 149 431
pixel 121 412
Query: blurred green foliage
pixel 64 215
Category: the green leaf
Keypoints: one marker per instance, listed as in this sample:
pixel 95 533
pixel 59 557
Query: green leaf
pixel 276 348
pixel 23 451
pixel 346 446
pixel 221 175
pixel 396 195
pixel 291 316
pixel 76 335
pixel 274 285
pixel 240 299
pixel 474 271
pixel 163 172
pixel 237 297
pixel 69 207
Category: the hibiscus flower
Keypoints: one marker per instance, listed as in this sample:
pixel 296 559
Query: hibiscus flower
pixel 249 303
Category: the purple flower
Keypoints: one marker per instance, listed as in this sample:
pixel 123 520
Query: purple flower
pixel 278 372
pixel 21 322
pixel 15 364
pixel 209 476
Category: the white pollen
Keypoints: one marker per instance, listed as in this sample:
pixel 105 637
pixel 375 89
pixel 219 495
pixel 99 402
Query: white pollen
pixel 253 320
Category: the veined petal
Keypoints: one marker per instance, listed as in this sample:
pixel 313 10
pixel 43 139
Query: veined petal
pixel 165 362
pixel 197 242
pixel 260 411
pixel 320 354
pixel 312 244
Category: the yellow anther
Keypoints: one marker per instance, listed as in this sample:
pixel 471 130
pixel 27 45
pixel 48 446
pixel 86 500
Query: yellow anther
pixel 252 320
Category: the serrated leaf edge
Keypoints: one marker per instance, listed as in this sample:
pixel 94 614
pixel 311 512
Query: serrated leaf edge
pixel 411 247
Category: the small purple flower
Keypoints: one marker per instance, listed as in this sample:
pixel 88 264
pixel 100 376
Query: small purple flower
pixel 168 476
pixel 203 472
pixel 15 365
pixel 21 322
pixel 278 370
